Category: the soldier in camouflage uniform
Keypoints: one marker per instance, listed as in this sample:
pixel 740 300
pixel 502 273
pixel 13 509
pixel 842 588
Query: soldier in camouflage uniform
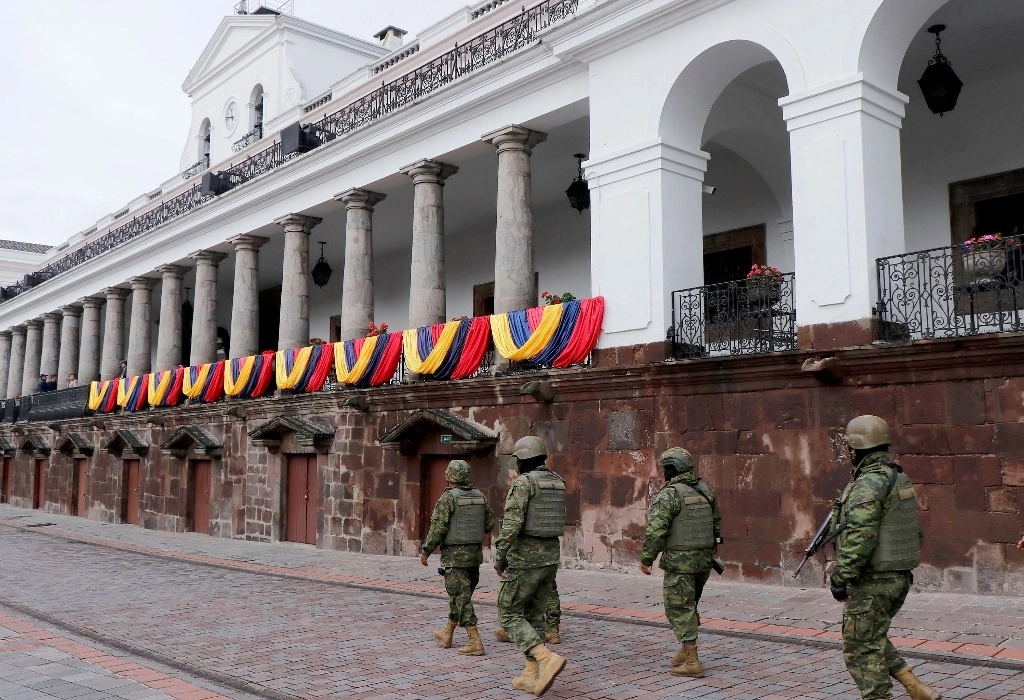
pixel 458 524
pixel 878 543
pixel 552 620
pixel 684 526
pixel 526 558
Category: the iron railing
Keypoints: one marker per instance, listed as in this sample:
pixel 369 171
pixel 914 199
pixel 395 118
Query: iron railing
pixel 491 46
pixel 196 168
pixel 951 292
pixel 60 404
pixel 743 317
pixel 248 139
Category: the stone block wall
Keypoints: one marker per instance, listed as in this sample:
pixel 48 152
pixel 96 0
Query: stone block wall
pixel 766 434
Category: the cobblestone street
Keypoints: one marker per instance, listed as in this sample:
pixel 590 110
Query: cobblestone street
pixel 186 626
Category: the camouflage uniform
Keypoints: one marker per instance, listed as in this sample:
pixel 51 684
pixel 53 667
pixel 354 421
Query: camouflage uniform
pixel 686 571
pixel 874 597
pixel 461 562
pixel 530 563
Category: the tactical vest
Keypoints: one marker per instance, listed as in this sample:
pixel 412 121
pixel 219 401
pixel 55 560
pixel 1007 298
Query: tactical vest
pixel 899 534
pixel 467 523
pixel 545 513
pixel 694 527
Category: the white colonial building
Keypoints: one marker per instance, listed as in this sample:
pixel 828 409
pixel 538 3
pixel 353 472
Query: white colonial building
pixel 715 135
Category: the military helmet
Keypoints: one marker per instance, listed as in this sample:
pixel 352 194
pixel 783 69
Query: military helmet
pixel 457 472
pixel 677 457
pixel 529 447
pixel 865 432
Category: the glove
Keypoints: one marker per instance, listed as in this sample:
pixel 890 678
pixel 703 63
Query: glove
pixel 839 592
pixel 499 566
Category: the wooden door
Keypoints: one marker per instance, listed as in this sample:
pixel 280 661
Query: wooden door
pixel 300 499
pixel 39 484
pixel 79 488
pixel 199 495
pixel 130 505
pixel 433 486
pixel 7 480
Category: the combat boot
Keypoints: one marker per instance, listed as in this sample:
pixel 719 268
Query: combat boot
pixel 475 646
pixel 552 637
pixel 680 656
pixel 502 635
pixel 915 688
pixel 528 678
pixel 445 635
pixel 691 665
pixel 549 665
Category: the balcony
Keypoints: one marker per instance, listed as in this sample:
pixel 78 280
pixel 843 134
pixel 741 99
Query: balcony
pixel 951 292
pixel 733 318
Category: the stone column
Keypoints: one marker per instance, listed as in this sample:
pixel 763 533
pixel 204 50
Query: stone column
pixel 140 332
pixel 847 205
pixel 515 283
pixel 70 332
pixel 294 331
pixel 89 355
pixel 204 317
pixel 17 364
pixel 357 285
pixel 245 304
pixel 168 334
pixel 113 333
pixel 51 344
pixel 5 359
pixel 427 304
pixel 33 352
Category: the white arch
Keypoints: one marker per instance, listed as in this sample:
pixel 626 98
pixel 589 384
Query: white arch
pixel 888 35
pixel 205 138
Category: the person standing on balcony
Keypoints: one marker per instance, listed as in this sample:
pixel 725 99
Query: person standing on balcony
pixel 72 381
pixel 43 385
pixel 526 558
pixel 878 544
pixel 685 527
pixel 123 372
pixel 458 524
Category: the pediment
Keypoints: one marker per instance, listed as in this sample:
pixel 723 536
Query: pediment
pixel 234 34
pixel 465 433
pixel 33 443
pixel 120 440
pixel 192 436
pixel 74 444
pixel 307 433
pixel 7 447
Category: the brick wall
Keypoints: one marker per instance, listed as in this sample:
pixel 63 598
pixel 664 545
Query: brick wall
pixel 766 434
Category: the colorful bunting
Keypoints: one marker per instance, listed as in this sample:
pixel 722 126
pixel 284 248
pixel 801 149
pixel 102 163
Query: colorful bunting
pixel 452 350
pixel 204 383
pixel 103 395
pixel 558 335
pixel 304 369
pixel 249 377
pixel 165 387
pixel 133 393
pixel 368 361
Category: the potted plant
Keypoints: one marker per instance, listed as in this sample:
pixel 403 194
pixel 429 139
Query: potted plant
pixel 374 329
pixel 763 285
pixel 985 256
pixel 550 298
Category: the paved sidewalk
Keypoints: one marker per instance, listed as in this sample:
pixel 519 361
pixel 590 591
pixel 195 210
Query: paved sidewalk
pixel 966 628
pixel 37 663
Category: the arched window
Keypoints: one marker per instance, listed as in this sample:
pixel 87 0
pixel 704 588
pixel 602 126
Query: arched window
pixel 256 110
pixel 204 141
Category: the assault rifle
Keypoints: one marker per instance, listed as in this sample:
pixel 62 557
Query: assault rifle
pixel 821 538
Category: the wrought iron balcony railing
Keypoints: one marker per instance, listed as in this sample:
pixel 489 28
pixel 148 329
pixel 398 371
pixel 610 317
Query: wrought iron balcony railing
pixel 196 168
pixel 743 317
pixel 952 291
pixel 248 139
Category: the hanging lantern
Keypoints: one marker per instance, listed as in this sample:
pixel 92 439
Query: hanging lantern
pixel 939 84
pixel 186 306
pixel 321 272
pixel 579 192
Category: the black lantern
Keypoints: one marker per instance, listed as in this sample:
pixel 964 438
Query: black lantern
pixel 186 306
pixel 321 272
pixel 939 84
pixel 578 192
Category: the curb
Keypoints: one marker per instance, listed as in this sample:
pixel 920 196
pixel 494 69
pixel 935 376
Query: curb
pixel 713 626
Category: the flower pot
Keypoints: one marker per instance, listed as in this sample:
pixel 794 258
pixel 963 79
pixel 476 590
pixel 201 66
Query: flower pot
pixel 762 293
pixel 981 266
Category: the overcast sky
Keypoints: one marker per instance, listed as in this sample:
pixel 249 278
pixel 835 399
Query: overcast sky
pixel 94 114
